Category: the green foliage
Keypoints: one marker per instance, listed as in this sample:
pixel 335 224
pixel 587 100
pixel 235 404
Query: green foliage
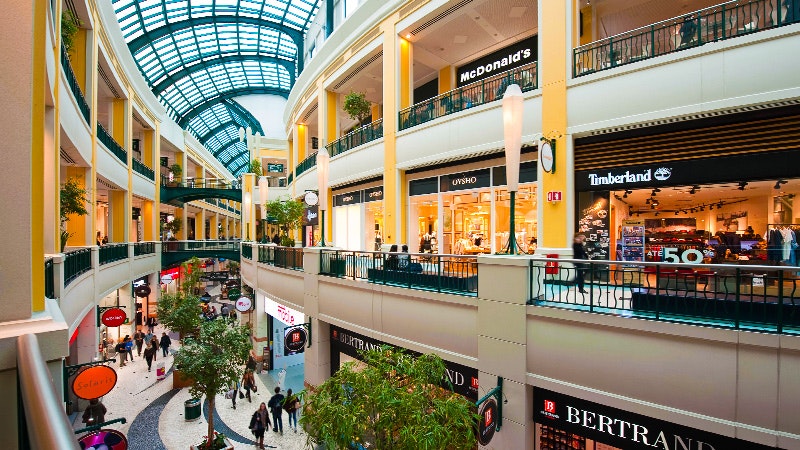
pixel 174 226
pixel 255 167
pixel 69 28
pixel 357 106
pixel 216 444
pixel 214 359
pixel 287 213
pixel 73 199
pixel 180 312
pixel 394 401
pixel 176 170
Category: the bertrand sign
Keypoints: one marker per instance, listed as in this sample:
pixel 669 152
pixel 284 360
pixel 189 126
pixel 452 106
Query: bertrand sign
pixel 625 429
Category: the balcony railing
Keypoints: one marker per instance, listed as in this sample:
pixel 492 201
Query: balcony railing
pixel 306 164
pixel 211 244
pixel 285 257
pixel 112 252
pixel 247 251
pixel 453 274
pixel 359 136
pixel 144 248
pixel 469 96
pixel 76 262
pixel 111 144
pixel 208 183
pixel 140 168
pixel 740 297
pixel 49 278
pixel 72 81
pixel 289 179
pixel 716 23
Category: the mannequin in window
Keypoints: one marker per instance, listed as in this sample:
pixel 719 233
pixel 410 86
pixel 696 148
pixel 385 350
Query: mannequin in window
pixel 378 241
pixel 425 242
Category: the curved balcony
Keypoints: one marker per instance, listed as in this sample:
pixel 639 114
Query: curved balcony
pixel 716 23
pixel 469 96
pixel 111 144
pixel 73 85
pixel 359 136
pixel 140 168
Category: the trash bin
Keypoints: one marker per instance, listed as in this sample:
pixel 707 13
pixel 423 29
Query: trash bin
pixel 191 409
pixel 161 372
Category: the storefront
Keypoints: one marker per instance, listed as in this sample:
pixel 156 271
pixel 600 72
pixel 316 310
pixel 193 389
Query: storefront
pixel 468 212
pixel 716 189
pixel 288 336
pixel 569 423
pixel 358 219
pixel 346 346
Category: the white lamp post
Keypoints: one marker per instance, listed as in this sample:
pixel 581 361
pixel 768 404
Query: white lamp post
pixel 263 191
pixel 512 136
pixel 323 159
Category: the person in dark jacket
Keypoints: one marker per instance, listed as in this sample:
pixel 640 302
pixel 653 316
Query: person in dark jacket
pixel 121 352
pixel 95 413
pixel 165 343
pixel 149 354
pixel 276 405
pixel 138 338
pixel 276 239
pixel 259 423
pixel 579 252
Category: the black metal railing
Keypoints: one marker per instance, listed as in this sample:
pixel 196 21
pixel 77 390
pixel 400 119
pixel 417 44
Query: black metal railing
pixel 279 256
pixel 309 162
pixel 49 278
pixel 247 251
pixel 361 135
pixel 112 252
pixel 76 262
pixel 454 274
pixel 289 179
pixel 72 81
pixel 469 96
pixel 144 248
pixel 112 145
pixel 716 23
pixel 211 244
pixel 741 297
pixel 208 183
pixel 142 169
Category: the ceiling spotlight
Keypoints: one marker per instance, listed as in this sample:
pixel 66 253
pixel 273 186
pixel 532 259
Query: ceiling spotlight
pixel 655 202
pixel 694 189
pixel 656 213
pixel 719 205
pixel 652 206
pixel 647 202
pixel 742 185
pixel 702 208
pixel 711 207
pixel 676 212
pixel 779 183
pixel 655 191
pixel 625 195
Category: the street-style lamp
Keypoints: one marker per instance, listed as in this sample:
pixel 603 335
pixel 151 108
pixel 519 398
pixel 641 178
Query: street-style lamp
pixel 263 190
pixel 247 204
pixel 323 159
pixel 512 136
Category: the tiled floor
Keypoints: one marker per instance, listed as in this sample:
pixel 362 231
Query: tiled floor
pixel 154 412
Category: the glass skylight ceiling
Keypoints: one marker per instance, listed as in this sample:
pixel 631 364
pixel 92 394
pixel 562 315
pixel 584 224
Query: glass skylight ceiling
pixel 196 55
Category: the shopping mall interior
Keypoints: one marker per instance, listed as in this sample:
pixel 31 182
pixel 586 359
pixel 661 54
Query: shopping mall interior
pixel 586 209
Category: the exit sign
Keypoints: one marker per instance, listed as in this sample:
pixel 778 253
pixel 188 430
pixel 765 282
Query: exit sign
pixel 554 196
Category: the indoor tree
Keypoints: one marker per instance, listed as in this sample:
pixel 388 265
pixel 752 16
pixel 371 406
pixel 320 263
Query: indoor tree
pixel 393 400
pixel 255 167
pixel 180 312
pixel 289 216
pixel 72 201
pixel 357 106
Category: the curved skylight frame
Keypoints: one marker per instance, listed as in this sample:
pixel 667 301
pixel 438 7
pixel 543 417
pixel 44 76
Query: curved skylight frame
pixel 199 54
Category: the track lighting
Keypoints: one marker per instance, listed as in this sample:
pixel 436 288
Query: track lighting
pixel 676 212
pixel 779 183
pixel 655 202
pixel 742 185
pixel 647 202
pixel 711 207
pixel 625 195
pixel 655 191
pixel 656 213
pixel 719 205
pixel 694 189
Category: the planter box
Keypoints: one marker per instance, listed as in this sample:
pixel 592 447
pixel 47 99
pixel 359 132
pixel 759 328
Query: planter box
pixel 228 445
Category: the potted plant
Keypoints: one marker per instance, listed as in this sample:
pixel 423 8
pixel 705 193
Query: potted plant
pixel 177 171
pixel 255 167
pixel 220 442
pixel 357 107
pixel 72 199
pixel 288 214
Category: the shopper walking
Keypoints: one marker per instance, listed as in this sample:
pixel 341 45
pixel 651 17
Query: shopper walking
pixel 251 361
pixel 151 324
pixel 232 393
pixel 248 384
pixel 138 338
pixel 149 354
pixel 154 344
pixel 121 352
pixel 260 423
pixel 165 343
pixel 579 252
pixel 291 404
pixel 95 413
pixel 276 406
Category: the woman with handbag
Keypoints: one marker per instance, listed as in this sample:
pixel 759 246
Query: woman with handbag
pixel 260 423
pixel 291 404
pixel 249 383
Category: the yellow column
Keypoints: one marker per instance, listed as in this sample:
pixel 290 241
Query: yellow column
pixel 292 162
pixel 394 79
pixel 200 225
pixel 405 74
pixel 119 118
pixel 149 218
pixel 214 226
pixel 117 209
pixel 377 111
pixel 445 79
pixel 76 225
pixel 552 64
pixel 302 141
pixel 77 58
pixel 155 222
pixel 147 151
pixel 332 123
pixel 37 120
pixel 180 216
pixel 248 184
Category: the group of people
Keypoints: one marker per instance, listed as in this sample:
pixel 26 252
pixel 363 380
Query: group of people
pixel 101 240
pixel 124 347
pixel 260 423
